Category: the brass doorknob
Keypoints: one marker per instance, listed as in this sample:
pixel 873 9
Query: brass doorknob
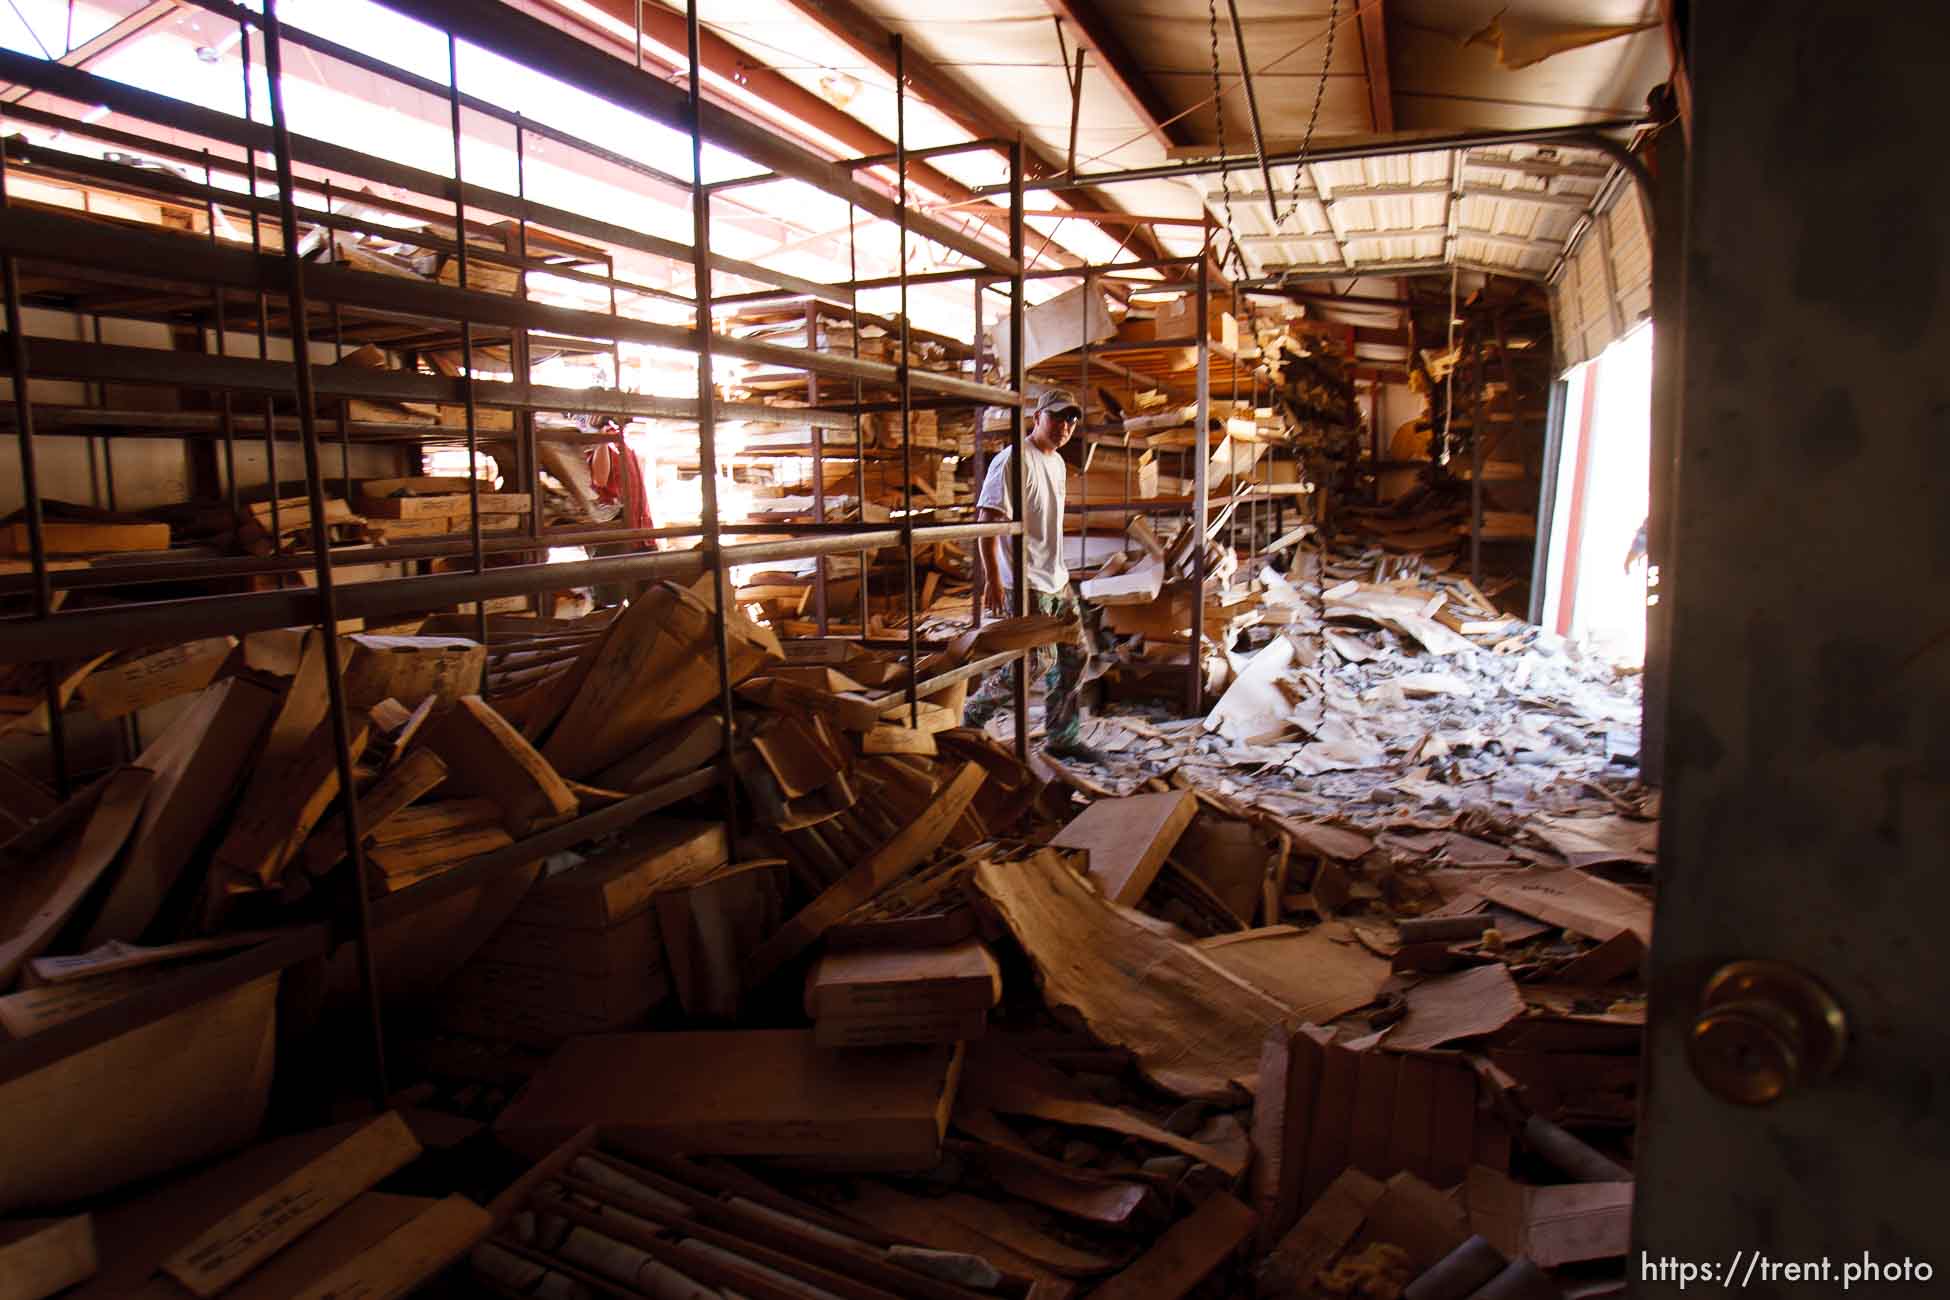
pixel 1763 1029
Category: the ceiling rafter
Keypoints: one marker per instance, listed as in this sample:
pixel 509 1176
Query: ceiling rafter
pixel 666 28
pixel 866 36
pixel 1374 58
pixel 1091 30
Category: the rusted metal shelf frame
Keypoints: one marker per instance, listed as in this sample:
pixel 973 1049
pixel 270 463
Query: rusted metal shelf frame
pixel 1198 506
pixel 49 636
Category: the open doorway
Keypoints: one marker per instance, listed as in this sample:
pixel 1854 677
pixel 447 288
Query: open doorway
pixel 1595 579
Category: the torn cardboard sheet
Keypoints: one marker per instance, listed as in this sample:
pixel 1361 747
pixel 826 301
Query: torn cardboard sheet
pixel 1572 899
pixel 1195 1028
pixel 1467 1004
pixel 1320 973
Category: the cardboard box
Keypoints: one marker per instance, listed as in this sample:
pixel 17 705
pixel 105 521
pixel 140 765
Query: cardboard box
pixel 127 685
pixel 633 945
pixel 617 885
pixel 882 1030
pixel 767 1092
pixel 410 668
pixel 77 1128
pixel 893 982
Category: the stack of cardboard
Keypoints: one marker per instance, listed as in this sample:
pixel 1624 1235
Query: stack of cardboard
pixel 397 509
pixel 582 953
pixel 874 996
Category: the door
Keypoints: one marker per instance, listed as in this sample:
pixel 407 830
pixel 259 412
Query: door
pixel 1807 757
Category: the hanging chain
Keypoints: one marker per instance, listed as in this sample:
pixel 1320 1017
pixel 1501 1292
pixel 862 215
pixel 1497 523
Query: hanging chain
pixel 1320 93
pixel 1233 253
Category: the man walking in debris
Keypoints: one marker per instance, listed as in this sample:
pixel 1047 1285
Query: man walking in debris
pixel 1057 415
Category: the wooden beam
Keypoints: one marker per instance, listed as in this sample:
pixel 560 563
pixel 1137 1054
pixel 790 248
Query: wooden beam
pixel 666 27
pixel 864 34
pixel 1121 66
pixel 1374 57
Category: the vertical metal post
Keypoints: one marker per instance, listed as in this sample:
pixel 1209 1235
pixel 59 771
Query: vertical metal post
pixel 1201 455
pixel 1083 418
pixel 31 487
pixel 980 568
pixel 321 548
pixel 226 413
pixel 1476 440
pixel 467 346
pixel 263 304
pixel 518 350
pixel 338 355
pixel 818 436
pixel 707 412
pixel 1017 541
pixel 906 383
pixel 864 599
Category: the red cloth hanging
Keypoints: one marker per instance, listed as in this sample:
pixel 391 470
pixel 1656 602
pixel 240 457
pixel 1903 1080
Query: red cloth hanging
pixel 618 479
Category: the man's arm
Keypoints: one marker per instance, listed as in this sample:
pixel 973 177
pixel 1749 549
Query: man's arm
pixel 994 599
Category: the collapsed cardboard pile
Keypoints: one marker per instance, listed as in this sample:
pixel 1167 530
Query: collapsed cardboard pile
pixel 933 1022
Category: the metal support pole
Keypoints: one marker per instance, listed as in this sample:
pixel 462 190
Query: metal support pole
pixel 1252 113
pixel 1201 456
pixel 1018 542
pixel 321 549
pixel 1476 441
pixel 906 384
pixel 980 568
pixel 707 439
pixel 31 487
pixel 263 302
pixel 467 348
pixel 818 436
pixel 518 347
pixel 226 413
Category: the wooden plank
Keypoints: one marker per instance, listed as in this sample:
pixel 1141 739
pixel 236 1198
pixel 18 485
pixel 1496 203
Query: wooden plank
pixel 1189 1252
pixel 39 1257
pixel 486 756
pixel 749 1092
pixel 1129 839
pixel 43 898
pixel 906 850
pixel 264 1225
pixel 885 1029
pixel 199 762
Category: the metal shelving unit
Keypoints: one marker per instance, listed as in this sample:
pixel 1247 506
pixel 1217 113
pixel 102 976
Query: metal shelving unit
pixel 269 291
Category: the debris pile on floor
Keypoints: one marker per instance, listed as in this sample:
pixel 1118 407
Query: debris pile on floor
pixel 1331 989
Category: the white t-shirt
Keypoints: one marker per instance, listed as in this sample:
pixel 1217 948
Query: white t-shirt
pixel 1044 479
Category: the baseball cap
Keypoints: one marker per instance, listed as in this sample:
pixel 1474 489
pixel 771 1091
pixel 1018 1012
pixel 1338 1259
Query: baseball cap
pixel 1057 400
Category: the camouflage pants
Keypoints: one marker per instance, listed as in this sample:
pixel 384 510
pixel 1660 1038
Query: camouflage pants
pixel 1061 666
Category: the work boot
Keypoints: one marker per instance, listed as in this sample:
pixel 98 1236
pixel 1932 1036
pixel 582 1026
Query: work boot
pixel 1072 749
